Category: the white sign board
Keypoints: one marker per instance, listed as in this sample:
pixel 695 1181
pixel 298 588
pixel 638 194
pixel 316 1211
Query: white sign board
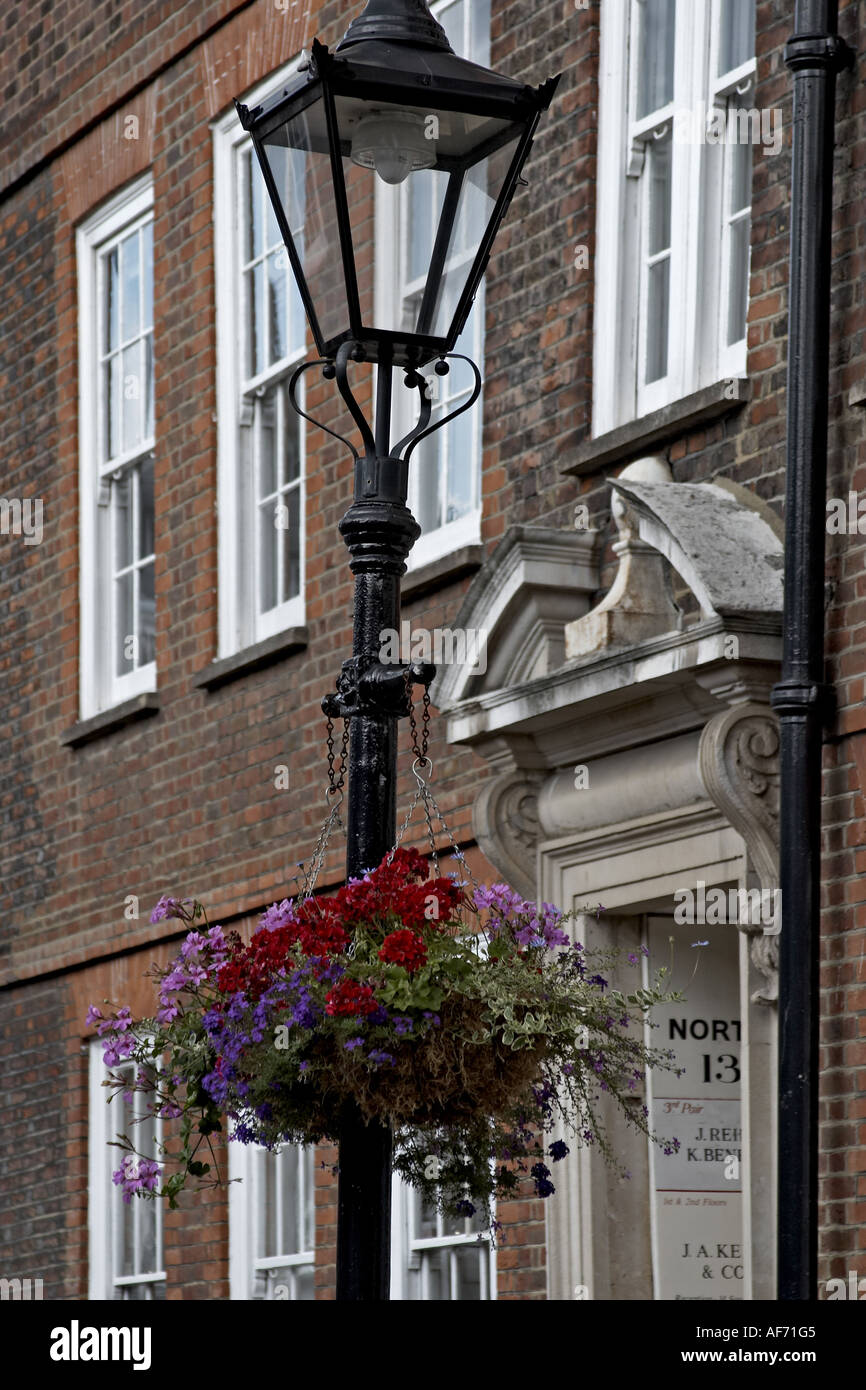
pixel 697 1190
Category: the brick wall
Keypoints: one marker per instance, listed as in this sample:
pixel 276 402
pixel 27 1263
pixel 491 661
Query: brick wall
pixel 186 801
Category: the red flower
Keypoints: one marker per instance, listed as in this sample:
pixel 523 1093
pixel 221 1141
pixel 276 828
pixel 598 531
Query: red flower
pixel 321 932
pixel 399 888
pixel 404 948
pixel 349 998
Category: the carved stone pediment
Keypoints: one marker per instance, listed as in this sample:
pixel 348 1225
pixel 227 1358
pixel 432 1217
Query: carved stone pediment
pixel 534 583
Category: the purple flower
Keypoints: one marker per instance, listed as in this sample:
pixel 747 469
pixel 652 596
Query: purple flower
pixel 92 1016
pixel 541 1173
pixel 379 1058
pixel 136 1175
pixel 278 915
pixel 559 1150
pixel 402 1024
pixel 353 1043
pixel 167 907
pixel 117 1049
pixel 464 1207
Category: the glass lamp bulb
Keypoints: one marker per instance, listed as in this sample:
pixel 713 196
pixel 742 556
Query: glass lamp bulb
pixel 394 143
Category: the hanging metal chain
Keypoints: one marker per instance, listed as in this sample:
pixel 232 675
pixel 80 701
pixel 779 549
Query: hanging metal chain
pixel 336 784
pixel 423 792
pixel 420 752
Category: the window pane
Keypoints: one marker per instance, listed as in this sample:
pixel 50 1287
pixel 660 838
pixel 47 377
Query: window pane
pixel 292 459
pixel 469 1271
pixel 112 300
pixel 121 497
pixel 133 384
pixel 656 63
pixel 147 273
pixel 309 1232
pixel 420 223
pixel 252 180
pixel 480 42
pixel 738 283
pixel 287 1164
pixel 130 289
pixel 461 473
pixel 148 386
pixel 113 403
pixel 273 235
pixel 146 615
pixel 427 464
pixel 267 551
pixel 267 1204
pixel 658 308
pixel 297 317
pixel 124 589
pixel 452 18
pixel 436 1270
pixel 291 544
pixel 426 1223
pixel 255 279
pixel 145 509
pixel 740 156
pixel 660 196
pixel 737 40
pixel 266 411
pixel 305 1290
pixel 277 305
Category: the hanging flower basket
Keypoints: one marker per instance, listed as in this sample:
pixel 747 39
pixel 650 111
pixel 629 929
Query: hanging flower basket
pixel 464 1018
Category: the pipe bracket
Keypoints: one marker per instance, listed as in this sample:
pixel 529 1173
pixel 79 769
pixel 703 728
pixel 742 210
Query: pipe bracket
pixel 818 51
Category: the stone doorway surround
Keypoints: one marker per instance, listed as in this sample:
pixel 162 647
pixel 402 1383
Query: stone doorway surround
pixel 635 754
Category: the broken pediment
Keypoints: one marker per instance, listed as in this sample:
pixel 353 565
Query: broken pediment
pixel 534 583
pixel 722 541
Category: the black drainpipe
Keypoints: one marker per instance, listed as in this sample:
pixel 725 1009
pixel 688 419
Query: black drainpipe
pixel 814 54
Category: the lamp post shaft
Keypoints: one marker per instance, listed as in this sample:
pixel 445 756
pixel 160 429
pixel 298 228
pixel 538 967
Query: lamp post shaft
pixel 379 531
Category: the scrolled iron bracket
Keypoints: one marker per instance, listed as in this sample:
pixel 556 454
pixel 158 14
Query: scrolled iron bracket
pixel 422 430
pixel 328 372
pixel 338 369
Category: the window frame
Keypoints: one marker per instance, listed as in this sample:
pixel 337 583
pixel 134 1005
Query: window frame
pixel 390 215
pixel 100 688
pixel 245 1266
pixel 103 1196
pixel 697 355
pixel 407 1250
pixel 240 624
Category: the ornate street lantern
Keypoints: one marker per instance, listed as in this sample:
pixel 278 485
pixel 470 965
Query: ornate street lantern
pixel 393 103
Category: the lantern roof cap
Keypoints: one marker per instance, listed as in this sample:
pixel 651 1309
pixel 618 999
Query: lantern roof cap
pixel 396 21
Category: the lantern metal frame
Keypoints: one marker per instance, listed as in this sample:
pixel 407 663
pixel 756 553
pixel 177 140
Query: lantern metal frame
pixel 432 76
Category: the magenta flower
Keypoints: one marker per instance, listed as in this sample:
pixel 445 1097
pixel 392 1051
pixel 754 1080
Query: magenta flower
pixel 136 1175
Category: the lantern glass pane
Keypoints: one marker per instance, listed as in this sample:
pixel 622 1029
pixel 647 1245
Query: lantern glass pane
pixel 298 156
pixel 441 173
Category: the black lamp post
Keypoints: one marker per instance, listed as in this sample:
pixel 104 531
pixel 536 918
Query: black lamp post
pixel 392 104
